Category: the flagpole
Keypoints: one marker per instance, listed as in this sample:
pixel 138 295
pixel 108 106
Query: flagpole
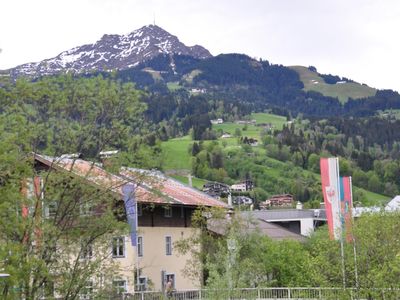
pixel 137 245
pixel 352 236
pixel 343 266
pixel 128 191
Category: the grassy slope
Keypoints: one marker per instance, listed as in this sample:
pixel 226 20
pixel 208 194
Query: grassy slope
pixel 173 86
pixel 277 121
pixel 189 77
pixel 177 156
pixel 228 127
pixel 373 198
pixel 341 91
pixel 155 74
pixel 196 182
pixel 252 130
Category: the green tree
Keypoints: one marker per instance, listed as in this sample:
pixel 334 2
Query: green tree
pixel 377 255
pixel 374 184
pixel 54 116
pixel 345 167
pixel 238 132
pixel 360 178
pixel 239 257
pixel 392 172
pixel 195 149
pixel 313 162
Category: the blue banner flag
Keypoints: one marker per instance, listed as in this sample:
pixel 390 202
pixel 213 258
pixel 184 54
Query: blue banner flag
pixel 128 191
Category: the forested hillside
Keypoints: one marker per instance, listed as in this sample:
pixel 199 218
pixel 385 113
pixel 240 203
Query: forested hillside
pixel 259 85
pixel 134 112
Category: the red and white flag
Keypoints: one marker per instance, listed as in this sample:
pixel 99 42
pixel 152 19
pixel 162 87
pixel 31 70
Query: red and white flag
pixel 330 189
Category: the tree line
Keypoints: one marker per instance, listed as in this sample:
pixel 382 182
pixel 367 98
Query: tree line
pixel 371 260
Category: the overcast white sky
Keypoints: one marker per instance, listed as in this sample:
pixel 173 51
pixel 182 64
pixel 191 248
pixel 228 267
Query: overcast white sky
pixel 358 39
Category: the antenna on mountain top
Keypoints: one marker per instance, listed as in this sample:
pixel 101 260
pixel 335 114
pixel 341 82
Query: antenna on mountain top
pixel 154 19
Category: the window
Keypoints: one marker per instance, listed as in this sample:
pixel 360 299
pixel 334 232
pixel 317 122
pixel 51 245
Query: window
pixel 168 212
pixel 119 286
pixel 168 245
pixel 118 247
pixel 87 291
pixel 85 208
pixel 140 246
pixel 142 283
pixel 50 209
pixel 170 278
pixel 86 251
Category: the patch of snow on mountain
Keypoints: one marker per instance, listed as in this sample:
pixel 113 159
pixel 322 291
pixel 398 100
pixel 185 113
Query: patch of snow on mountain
pixel 137 34
pixel 165 46
pixel 67 58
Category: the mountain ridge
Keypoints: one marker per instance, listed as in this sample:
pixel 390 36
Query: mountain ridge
pixel 111 52
pixel 152 58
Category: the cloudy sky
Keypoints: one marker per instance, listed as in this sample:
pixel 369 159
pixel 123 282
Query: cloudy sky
pixel 358 39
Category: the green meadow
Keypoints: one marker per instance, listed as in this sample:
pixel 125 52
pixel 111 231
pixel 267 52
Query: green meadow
pixel 196 182
pixel 173 86
pixel 313 82
pixel 275 120
pixel 176 153
pixel 251 130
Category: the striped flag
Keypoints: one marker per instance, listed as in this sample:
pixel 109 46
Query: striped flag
pixel 128 191
pixel 346 205
pixel 330 189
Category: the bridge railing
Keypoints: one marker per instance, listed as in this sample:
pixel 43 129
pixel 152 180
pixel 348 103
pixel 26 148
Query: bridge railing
pixel 298 293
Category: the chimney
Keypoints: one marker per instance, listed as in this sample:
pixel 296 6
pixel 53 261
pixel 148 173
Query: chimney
pixel 105 157
pixel 299 205
pixel 190 180
pixel 229 200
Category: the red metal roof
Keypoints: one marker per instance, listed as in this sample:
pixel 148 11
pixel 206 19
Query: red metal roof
pixel 150 187
pixel 175 191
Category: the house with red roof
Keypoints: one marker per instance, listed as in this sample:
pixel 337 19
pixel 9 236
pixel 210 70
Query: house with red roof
pixel 164 208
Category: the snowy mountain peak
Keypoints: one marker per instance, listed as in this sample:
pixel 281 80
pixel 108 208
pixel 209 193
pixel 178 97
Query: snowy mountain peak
pixel 112 52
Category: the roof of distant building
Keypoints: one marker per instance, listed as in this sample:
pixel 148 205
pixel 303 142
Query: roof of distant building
pixel 393 204
pixel 250 224
pixel 289 214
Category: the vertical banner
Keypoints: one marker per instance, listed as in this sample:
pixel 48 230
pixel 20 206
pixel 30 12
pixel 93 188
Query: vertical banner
pixel 24 208
pixel 25 194
pixel 37 190
pixel 330 189
pixel 128 191
pixel 346 205
pixel 31 190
